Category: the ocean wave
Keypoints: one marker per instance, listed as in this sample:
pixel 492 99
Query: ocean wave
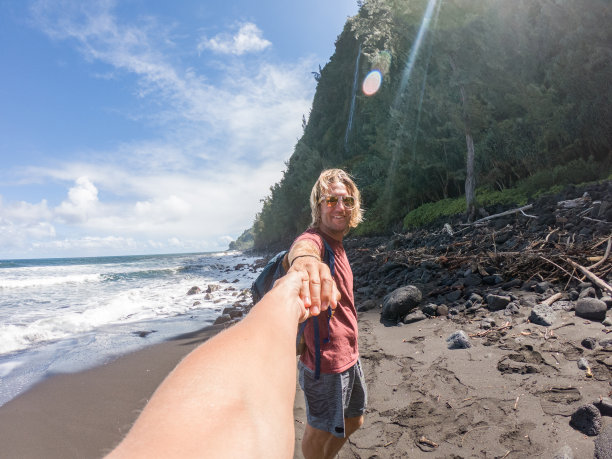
pixel 144 274
pixel 49 280
pixel 33 328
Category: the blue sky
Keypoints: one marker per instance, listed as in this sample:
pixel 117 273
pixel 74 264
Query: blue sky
pixel 148 126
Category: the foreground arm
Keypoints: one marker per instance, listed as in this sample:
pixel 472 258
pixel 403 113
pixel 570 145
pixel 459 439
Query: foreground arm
pixel 319 291
pixel 233 396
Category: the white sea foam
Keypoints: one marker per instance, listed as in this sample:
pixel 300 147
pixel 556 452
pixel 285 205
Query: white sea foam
pixel 48 281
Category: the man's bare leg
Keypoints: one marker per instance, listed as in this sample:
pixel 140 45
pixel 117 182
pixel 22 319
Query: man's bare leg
pixel 319 444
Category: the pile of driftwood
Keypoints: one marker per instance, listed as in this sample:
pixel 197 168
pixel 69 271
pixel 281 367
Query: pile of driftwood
pixel 555 254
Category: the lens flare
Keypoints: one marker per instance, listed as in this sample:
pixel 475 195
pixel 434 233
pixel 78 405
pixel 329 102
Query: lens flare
pixel 372 82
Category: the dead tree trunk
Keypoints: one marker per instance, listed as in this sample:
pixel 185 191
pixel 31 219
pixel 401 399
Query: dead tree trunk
pixel 470 181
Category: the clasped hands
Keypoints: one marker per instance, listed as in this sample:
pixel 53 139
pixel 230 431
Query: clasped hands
pixel 312 283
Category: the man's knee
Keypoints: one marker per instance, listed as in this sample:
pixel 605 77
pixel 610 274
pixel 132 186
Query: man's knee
pixel 352 424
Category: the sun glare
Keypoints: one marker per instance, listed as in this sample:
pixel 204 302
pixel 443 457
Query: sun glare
pixel 372 82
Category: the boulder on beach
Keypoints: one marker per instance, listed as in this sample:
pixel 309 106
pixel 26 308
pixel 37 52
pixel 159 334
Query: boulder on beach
pixel 542 314
pixel 591 309
pixel 399 303
pixel 194 290
pixel 587 419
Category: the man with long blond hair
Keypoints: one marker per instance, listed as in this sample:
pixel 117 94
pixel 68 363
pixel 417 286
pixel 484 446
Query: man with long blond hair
pixel 336 398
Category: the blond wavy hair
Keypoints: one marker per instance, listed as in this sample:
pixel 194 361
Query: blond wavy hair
pixel 322 186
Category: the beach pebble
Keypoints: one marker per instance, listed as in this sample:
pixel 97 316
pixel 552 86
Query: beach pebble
pixel 233 312
pixel 588 292
pixel 492 280
pixel 514 283
pixel 222 319
pixel 442 310
pixel 367 305
pixel 604 405
pixel 603 444
pixel 194 290
pixel 512 309
pixel 475 298
pixel 415 316
pixel 497 302
pixel 453 296
pixel 144 333
pixel 591 309
pixel 589 343
pixel 458 340
pixel 430 309
pixel 541 287
pixel 472 280
pixel 542 314
pixel 583 364
pixel 606 344
pixel 564 453
pixel 587 419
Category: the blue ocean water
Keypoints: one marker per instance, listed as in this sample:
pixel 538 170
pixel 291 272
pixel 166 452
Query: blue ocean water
pixel 65 315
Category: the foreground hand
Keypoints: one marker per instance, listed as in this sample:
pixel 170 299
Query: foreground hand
pixel 290 286
pixel 318 290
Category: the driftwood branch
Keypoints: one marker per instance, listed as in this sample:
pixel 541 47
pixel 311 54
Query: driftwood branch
pixel 604 257
pixel 552 299
pixel 508 212
pixel 592 277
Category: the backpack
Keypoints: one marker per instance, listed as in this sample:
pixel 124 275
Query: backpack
pixel 273 271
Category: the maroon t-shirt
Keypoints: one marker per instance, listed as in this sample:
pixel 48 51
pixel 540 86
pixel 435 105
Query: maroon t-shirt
pixel 342 351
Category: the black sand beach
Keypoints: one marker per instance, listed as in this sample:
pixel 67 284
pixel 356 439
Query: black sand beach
pixel 533 380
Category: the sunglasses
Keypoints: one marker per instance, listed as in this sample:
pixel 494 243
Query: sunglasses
pixel 331 201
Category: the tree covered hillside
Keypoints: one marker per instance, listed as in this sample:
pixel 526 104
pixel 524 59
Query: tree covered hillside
pixel 526 82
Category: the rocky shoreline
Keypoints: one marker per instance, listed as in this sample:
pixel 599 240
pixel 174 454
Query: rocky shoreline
pixel 514 281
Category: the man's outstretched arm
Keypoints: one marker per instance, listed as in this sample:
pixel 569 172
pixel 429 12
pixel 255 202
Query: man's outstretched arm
pixel 232 396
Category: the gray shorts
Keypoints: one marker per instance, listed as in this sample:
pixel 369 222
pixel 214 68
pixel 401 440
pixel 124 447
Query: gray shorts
pixel 333 397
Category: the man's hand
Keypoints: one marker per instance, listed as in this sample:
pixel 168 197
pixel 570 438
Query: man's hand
pixel 319 291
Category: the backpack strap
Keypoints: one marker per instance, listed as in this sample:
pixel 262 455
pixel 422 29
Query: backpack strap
pixel 331 262
pixel 328 257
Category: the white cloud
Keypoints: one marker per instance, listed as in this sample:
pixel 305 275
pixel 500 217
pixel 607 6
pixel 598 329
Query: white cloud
pixel 24 212
pixel 22 222
pixel 168 209
pixel 249 38
pixel 81 203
